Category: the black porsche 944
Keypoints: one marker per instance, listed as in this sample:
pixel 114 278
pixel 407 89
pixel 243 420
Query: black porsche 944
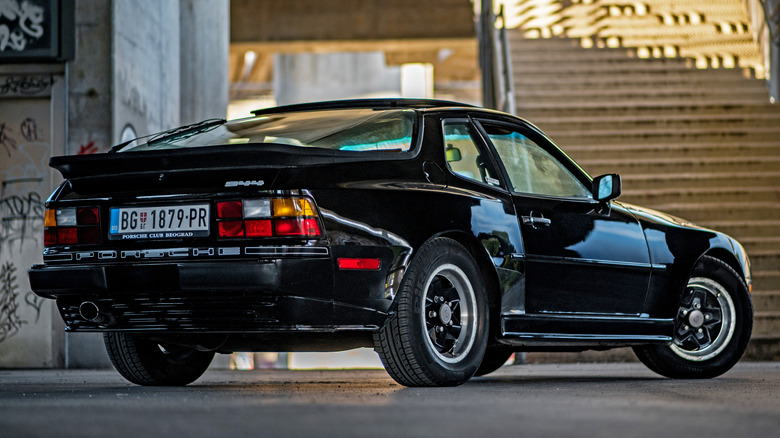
pixel 444 236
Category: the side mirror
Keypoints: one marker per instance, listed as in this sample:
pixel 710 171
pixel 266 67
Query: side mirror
pixel 606 187
pixel 452 153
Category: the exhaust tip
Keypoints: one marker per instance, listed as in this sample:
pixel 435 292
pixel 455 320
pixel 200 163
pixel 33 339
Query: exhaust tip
pixel 90 311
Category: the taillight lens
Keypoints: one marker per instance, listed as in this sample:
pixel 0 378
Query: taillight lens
pixel 71 226
pixel 296 227
pixel 231 229
pixel 259 228
pixel 229 210
pixel 267 217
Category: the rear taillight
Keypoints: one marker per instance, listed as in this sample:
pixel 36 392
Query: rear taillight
pixel 268 217
pixel 71 226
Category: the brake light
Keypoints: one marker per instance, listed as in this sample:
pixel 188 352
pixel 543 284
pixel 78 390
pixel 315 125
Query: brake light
pixel 259 228
pixel 296 227
pixel 267 217
pixel 71 226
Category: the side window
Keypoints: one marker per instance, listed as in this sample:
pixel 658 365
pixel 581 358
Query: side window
pixel 530 168
pixel 464 157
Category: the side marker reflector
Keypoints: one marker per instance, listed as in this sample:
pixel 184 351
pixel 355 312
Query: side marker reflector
pixel 359 264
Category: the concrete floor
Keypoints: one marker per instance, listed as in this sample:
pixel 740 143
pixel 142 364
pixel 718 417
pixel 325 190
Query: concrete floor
pixel 559 400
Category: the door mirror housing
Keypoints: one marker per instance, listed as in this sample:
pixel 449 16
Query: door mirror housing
pixel 606 187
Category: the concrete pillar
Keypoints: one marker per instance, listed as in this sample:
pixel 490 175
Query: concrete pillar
pixel 313 77
pixel 146 71
pixel 205 43
pixel 89 80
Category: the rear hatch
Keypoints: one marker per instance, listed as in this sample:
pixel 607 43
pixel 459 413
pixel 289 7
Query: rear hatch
pixel 214 189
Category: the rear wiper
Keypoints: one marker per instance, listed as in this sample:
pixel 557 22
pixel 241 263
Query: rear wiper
pixel 187 130
pixel 179 132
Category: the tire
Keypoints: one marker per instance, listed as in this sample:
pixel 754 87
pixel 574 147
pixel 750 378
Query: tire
pixel 437 329
pixel 495 358
pixel 149 363
pixel 711 329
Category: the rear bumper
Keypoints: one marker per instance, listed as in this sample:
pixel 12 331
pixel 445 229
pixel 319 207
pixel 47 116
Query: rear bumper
pixel 60 281
pixel 239 296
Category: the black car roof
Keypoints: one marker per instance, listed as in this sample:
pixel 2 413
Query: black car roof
pixel 363 103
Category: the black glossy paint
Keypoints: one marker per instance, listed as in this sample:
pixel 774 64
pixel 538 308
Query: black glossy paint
pixel 594 275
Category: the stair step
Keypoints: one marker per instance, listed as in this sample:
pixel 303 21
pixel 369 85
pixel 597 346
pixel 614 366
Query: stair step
pixel 611 91
pixel 766 280
pixel 766 322
pixel 651 181
pixel 763 347
pixel 665 166
pixel 726 136
pixel 765 260
pixel 706 195
pixel 674 151
pixel 581 105
pixel 693 77
pixel 744 230
pixel 723 123
pixel 712 116
pixel 766 300
pixel 596 65
pixel 666 110
pixel 595 96
pixel 727 211
pixel 760 244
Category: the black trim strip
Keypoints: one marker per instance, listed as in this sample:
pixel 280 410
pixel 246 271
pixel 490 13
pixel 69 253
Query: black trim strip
pixel 590 262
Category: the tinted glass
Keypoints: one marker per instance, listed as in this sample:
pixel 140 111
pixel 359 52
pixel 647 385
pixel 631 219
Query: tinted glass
pixel 343 130
pixel 531 169
pixel 464 157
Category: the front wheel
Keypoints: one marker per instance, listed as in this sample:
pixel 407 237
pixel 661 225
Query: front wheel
pixel 146 362
pixel 437 330
pixel 711 329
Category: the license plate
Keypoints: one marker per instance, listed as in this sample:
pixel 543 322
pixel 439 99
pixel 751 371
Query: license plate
pixel 162 222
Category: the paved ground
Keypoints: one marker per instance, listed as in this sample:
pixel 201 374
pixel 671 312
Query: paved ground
pixel 583 400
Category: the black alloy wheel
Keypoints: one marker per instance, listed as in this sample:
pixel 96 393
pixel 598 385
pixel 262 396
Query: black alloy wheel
pixel 712 326
pixel 437 331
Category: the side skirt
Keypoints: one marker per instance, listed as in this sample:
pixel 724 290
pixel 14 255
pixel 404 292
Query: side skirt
pixel 579 330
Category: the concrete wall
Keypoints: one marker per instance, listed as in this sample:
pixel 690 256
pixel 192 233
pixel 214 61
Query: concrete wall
pixel 32 108
pixel 138 63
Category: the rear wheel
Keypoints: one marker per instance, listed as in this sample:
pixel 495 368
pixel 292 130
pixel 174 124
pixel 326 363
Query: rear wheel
pixel 436 332
pixel 146 362
pixel 711 329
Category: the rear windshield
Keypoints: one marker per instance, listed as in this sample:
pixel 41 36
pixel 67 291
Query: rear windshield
pixel 341 130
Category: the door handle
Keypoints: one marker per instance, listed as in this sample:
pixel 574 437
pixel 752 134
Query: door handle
pixel 536 221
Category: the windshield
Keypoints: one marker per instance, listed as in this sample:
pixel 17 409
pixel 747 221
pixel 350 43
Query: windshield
pixel 342 130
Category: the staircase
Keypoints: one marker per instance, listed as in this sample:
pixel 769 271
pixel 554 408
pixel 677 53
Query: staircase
pixel 635 90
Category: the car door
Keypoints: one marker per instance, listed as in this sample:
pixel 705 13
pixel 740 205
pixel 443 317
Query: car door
pixel 581 256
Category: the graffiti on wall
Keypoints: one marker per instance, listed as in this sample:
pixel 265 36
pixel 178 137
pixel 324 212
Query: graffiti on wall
pixel 21 203
pixel 21 214
pixel 26 85
pixel 6 140
pixel 10 322
pixel 22 24
pixel 89 148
